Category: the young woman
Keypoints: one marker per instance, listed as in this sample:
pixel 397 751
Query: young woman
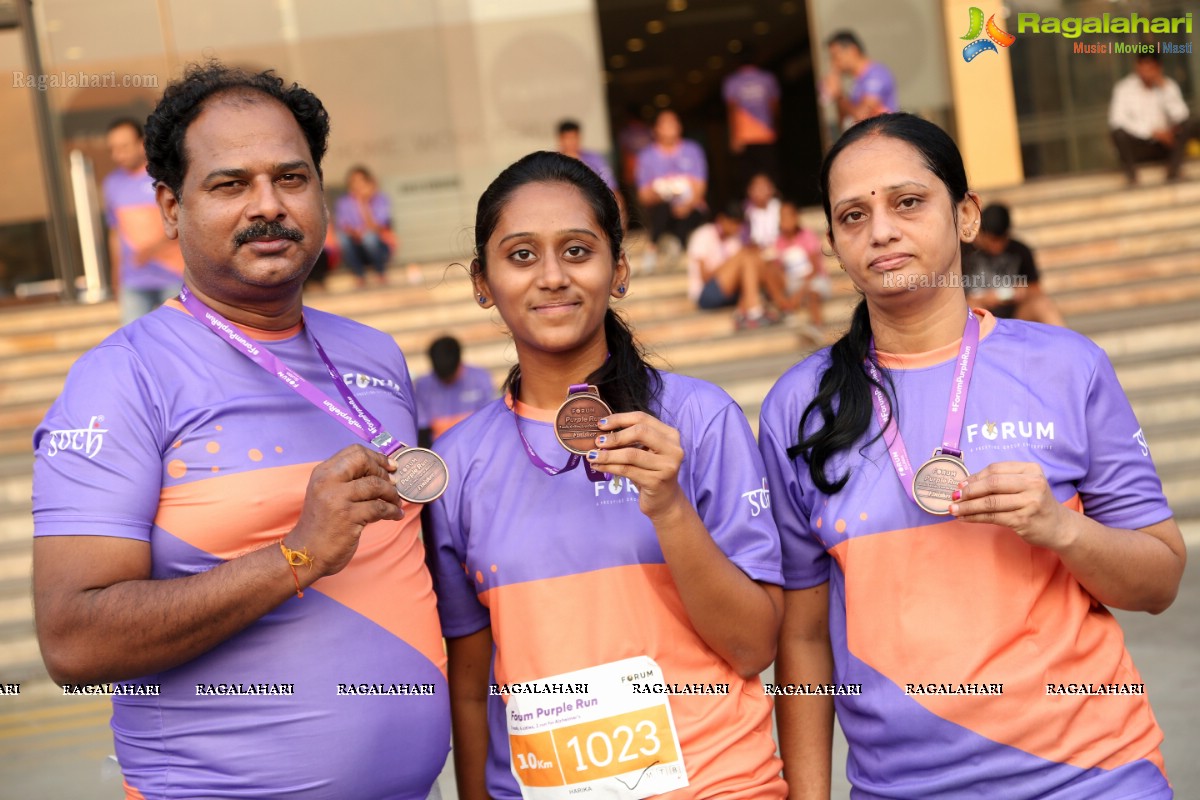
pixel 623 619
pixel 965 593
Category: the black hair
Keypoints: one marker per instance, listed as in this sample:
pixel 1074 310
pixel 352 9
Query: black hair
pixel 625 380
pixel 184 99
pixel 846 39
pixel 121 122
pixel 1148 55
pixel 445 353
pixel 995 220
pixel 568 126
pixel 843 399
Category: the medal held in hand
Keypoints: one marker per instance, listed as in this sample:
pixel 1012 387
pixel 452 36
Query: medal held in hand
pixel 936 480
pixel 576 424
pixel 421 475
pixel 932 485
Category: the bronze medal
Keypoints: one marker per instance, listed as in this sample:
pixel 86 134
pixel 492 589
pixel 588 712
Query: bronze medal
pixel 935 481
pixel 421 475
pixel 576 422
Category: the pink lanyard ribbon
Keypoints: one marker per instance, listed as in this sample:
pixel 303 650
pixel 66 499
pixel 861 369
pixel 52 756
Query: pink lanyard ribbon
pixel 955 414
pixel 362 424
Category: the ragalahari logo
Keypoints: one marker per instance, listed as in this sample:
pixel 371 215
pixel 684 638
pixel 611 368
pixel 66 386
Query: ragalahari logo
pixel 995 36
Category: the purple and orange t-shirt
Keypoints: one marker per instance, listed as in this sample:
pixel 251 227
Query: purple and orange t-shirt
pixel 569 574
pixel 165 434
pixel 752 95
pixel 131 210
pixel 686 160
pixel 920 604
pixel 440 405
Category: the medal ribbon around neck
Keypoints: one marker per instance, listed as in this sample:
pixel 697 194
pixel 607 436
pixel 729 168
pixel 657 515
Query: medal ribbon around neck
pixel 573 461
pixel 955 414
pixel 362 424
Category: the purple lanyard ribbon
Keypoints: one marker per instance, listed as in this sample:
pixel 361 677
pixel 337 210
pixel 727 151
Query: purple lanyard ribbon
pixel 363 424
pixel 572 462
pixel 955 413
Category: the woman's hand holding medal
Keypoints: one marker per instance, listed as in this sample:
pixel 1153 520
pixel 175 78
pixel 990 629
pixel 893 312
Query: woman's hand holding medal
pixel 1017 495
pixel 646 451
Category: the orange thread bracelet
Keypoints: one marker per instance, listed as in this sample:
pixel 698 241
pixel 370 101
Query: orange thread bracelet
pixel 296 558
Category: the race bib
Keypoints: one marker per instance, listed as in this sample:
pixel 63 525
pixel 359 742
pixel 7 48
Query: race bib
pixel 601 740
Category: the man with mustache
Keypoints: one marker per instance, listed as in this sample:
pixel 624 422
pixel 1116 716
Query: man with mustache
pixel 231 553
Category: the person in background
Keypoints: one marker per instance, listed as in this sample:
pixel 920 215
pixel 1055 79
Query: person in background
pixel 806 280
pixel 762 211
pixel 672 179
pixel 633 137
pixel 364 226
pixel 1149 119
pixel 723 271
pixel 873 88
pixel 752 106
pixel 451 392
pixel 1000 273
pixel 570 144
pixel 146 265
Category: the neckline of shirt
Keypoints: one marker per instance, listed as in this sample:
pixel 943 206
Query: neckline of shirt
pixel 254 333
pixel 530 412
pixel 939 355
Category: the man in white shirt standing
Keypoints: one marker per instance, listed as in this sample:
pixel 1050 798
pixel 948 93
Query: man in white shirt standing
pixel 1148 118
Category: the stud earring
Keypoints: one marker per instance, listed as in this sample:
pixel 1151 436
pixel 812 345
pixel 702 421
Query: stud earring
pixel 482 299
pixel 621 289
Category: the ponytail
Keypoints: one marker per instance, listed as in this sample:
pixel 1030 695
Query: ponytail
pixel 625 380
pixel 843 401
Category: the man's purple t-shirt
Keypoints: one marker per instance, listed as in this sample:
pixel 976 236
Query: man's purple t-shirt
pixel 599 165
pixel 164 434
pixel 348 215
pixel 686 160
pixel 876 81
pixel 134 191
pixel 441 405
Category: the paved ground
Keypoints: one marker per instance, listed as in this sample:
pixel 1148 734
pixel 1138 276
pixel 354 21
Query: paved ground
pixel 55 748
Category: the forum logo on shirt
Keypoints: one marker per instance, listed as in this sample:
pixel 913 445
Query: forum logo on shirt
pixel 360 380
pixel 979 44
pixel 615 490
pixel 1010 434
pixel 87 440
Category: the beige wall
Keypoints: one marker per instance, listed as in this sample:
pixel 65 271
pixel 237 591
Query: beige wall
pixel 435 96
pixel 23 198
pixel 984 111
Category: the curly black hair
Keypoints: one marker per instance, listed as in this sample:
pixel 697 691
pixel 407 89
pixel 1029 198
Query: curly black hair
pixel 183 100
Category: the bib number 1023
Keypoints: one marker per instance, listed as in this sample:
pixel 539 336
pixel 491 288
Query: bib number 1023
pixel 600 748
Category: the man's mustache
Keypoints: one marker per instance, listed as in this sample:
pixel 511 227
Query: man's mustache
pixel 266 230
